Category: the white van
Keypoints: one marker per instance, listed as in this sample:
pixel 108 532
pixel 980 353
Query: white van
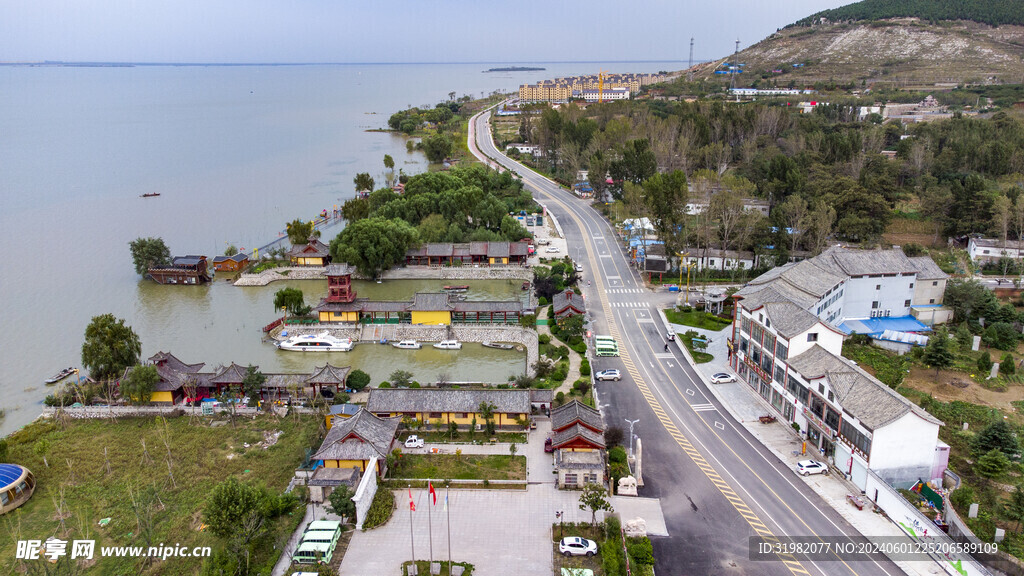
pixel 313 553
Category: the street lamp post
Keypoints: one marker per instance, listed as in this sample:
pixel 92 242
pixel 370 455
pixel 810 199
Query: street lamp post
pixel 558 516
pixel 631 423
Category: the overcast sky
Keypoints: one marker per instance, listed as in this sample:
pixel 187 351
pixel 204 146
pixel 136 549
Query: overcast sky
pixel 286 31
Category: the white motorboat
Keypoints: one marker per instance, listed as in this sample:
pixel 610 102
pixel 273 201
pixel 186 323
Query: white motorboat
pixel 322 342
pixel 498 345
pixel 407 345
pixel 449 345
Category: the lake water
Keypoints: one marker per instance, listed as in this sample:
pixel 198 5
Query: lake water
pixel 235 152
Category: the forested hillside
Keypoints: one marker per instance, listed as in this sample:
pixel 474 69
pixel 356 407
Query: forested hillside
pixel 991 12
pixel 822 174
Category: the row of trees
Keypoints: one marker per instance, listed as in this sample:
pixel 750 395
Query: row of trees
pixel 459 205
pixel 992 12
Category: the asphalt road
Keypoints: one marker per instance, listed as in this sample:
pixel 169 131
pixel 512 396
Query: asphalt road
pixel 717 484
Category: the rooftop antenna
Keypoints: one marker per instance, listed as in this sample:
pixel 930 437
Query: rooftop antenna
pixel 689 75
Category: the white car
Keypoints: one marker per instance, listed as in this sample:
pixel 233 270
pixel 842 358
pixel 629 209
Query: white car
pixel 608 375
pixel 551 249
pixel 578 267
pixel 722 378
pixel 414 442
pixel 808 467
pixel 576 546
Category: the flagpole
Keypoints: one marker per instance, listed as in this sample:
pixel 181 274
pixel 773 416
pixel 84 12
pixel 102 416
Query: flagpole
pixel 448 507
pixel 430 529
pixel 412 542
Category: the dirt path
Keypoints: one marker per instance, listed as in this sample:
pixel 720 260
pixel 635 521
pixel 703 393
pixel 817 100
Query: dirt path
pixel 941 389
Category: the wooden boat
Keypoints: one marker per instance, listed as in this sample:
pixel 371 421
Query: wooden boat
pixel 460 288
pixel 150 194
pixel 498 345
pixel 60 375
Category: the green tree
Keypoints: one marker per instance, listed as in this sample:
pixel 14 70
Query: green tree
pixel 437 147
pixel 991 464
pixel 140 383
pixel 400 378
pixel 364 182
pixel 389 163
pixel 964 338
pixel 665 196
pixel 148 253
pixel 252 383
pixel 637 164
pixel 299 232
pixel 3 450
pixel 1014 509
pixel 341 502
pixel 41 447
pixel 453 430
pixel 594 498
pixel 231 250
pixel 571 327
pixel 1007 365
pixel 229 504
pixel 292 300
pixel 937 353
pixel 355 209
pixel 969 299
pixel 984 363
pixel 1000 335
pixel 996 436
pixel 433 228
pixel 110 346
pixel 357 380
pixel 373 245
pixel 487 411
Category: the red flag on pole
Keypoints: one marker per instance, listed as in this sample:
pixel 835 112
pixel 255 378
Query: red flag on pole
pixel 412 505
pixel 432 493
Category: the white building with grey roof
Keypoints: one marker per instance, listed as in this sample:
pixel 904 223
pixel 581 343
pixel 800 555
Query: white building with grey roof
pixel 787 345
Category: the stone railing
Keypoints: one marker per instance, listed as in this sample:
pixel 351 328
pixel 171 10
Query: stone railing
pixel 275 274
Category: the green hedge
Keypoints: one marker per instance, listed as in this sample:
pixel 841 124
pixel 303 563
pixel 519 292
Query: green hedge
pixel 585 366
pixel 380 509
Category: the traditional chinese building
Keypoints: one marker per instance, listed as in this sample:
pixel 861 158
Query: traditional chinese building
pixel 314 253
pixel 183 270
pixel 230 263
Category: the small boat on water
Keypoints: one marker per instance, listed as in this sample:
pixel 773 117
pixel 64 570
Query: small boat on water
pixel 60 375
pixel 322 342
pixel 407 345
pixel 150 194
pixel 498 345
pixel 449 345
pixel 460 288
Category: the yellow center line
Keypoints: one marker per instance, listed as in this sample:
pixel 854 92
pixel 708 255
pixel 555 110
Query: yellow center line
pixel 724 487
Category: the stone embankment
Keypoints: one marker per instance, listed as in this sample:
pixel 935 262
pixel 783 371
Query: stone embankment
pixel 371 333
pixel 85 412
pixel 404 273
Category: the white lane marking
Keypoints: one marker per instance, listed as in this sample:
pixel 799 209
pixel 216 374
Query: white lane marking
pixel 719 425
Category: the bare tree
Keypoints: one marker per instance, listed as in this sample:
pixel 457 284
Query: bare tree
pixel 794 215
pixel 818 226
pixel 727 208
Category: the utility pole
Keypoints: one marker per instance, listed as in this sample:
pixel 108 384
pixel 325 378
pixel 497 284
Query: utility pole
pixel 631 423
pixel 689 74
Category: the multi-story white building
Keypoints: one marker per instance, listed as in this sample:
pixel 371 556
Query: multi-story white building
pixel 787 345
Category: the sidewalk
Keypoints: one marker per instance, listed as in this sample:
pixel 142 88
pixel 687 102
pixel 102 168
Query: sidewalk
pixel 745 405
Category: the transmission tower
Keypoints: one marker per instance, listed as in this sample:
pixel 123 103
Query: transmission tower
pixel 689 75
pixel 735 66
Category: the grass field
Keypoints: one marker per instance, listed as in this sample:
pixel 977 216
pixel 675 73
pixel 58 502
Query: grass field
pixel 696 318
pixel 200 456
pixel 464 467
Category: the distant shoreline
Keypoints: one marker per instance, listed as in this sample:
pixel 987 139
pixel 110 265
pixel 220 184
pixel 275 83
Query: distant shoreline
pixel 515 69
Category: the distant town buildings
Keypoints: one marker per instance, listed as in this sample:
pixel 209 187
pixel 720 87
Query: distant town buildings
pixel 615 87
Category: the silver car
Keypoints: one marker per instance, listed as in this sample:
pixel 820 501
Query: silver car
pixel 608 375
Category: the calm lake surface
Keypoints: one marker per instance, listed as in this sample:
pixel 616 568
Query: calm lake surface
pixel 235 152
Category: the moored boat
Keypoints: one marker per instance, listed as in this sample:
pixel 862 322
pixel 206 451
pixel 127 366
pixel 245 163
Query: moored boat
pixel 60 375
pixel 407 345
pixel 322 342
pixel 459 288
pixel 498 345
pixel 150 194
pixel 448 345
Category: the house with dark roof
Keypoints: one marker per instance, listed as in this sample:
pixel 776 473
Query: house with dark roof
pixel 353 442
pixel 447 254
pixel 313 253
pixel 577 435
pixel 189 269
pixel 445 405
pixel 185 382
pixel 230 263
pixel 568 303
pixel 786 344
pixel 340 412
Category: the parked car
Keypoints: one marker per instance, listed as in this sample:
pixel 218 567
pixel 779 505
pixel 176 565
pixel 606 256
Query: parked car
pixel 414 442
pixel 608 375
pixel 551 249
pixel 576 546
pixel 578 267
pixel 548 446
pixel 671 336
pixel 808 467
pixel 722 378
pixel 543 242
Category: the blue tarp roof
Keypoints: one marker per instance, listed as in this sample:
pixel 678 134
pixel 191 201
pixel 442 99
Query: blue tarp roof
pixel 879 325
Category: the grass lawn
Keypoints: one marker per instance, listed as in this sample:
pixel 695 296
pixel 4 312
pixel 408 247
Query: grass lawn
pixel 698 357
pixel 595 533
pixel 463 437
pixel 696 318
pixel 201 457
pixel 464 467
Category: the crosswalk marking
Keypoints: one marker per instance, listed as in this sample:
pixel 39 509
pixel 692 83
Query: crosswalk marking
pixel 629 304
pixel 704 407
pixel 626 291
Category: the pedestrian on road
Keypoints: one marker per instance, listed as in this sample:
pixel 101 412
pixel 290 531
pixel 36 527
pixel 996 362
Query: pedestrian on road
pixel 666 347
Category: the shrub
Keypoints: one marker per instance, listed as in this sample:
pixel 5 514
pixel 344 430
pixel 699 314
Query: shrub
pixel 617 454
pixel 640 550
pixel 380 509
pixel 544 339
pixel 581 386
pixel 560 398
pixel 585 367
pixel 580 348
pixel 1006 364
pixel 542 301
pixel 1000 335
pixel 384 385
pixel 984 364
pixel 613 436
pixel 357 380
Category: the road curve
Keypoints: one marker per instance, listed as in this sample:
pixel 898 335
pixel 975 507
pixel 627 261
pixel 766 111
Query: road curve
pixel 717 484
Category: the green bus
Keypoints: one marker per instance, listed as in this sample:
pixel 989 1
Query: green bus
pixel 313 553
pixel 606 349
